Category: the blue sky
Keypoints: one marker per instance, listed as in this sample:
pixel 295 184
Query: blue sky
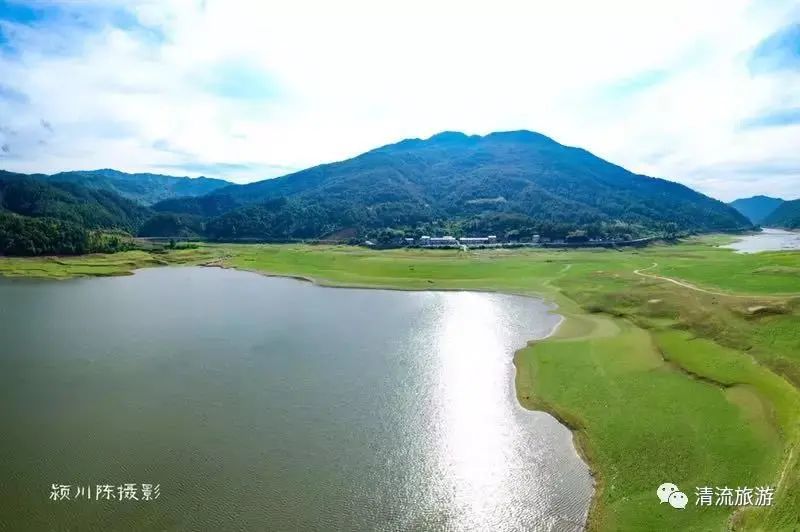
pixel 704 93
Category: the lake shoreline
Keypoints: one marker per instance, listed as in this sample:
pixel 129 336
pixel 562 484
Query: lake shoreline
pixel 580 442
pixel 768 240
pixel 613 328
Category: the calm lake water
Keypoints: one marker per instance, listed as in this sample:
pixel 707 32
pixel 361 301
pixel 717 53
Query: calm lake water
pixel 767 240
pixel 272 404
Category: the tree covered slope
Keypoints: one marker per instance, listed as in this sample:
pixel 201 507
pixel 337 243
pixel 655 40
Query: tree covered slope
pixel 502 182
pixel 787 215
pixel 95 209
pixel 143 188
pixel 512 184
pixel 757 208
pixel 38 217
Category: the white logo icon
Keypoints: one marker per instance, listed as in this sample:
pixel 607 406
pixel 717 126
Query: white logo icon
pixel 670 493
pixel 678 500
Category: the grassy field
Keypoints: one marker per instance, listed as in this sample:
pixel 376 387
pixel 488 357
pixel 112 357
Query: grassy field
pixel 695 385
pixel 101 265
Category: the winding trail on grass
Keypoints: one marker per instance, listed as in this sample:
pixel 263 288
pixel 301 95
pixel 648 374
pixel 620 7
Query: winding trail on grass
pixel 680 283
pixel 684 284
pixel 789 460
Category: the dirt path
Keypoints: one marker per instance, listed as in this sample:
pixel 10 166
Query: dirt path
pixel 675 281
pixel 684 284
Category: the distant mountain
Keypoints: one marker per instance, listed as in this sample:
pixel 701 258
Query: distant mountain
pixel 40 217
pixel 93 209
pixel 757 208
pixel 510 183
pixel 787 216
pixel 143 188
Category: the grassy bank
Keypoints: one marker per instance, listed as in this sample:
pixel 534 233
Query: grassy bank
pixel 695 385
pixel 101 265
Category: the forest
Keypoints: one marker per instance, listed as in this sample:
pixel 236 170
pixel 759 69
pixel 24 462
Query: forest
pixel 513 185
pixel 787 215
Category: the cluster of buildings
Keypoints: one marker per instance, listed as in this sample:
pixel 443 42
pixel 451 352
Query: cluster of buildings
pixel 535 241
pixel 449 241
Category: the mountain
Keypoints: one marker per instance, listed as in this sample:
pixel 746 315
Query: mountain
pixel 143 188
pixel 511 183
pixel 39 217
pixel 787 216
pixel 757 208
pixel 166 224
pixel 93 209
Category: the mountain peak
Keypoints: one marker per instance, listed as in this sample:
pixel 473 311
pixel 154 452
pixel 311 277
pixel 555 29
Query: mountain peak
pixel 757 208
pixel 506 182
pixel 520 135
pixel 760 197
pixel 457 138
pixel 449 136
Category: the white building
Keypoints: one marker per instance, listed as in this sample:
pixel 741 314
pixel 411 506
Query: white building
pixel 474 240
pixel 443 240
pixel 478 240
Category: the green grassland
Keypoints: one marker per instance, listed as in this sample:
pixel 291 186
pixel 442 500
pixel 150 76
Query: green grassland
pixel 97 265
pixel 758 273
pixel 695 384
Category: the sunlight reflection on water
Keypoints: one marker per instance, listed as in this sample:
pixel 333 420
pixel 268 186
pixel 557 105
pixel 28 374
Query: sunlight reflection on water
pixel 493 465
pixel 297 407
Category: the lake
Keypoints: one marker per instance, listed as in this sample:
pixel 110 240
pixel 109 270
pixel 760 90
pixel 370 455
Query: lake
pixel 261 403
pixel 767 240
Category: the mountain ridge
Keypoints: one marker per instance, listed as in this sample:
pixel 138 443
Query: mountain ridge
pixel 452 181
pixel 786 216
pixel 756 208
pixel 145 188
pixel 512 184
pixel 41 217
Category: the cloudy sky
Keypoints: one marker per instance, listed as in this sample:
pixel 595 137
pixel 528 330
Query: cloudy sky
pixel 698 91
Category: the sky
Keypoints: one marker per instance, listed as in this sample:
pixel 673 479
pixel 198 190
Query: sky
pixel 703 92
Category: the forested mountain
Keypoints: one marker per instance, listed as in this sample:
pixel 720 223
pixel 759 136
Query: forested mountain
pixel 515 183
pixel 167 224
pixel 207 206
pixel 143 188
pixel 786 216
pixel 38 217
pixel 757 208
pixel 512 184
pixel 94 209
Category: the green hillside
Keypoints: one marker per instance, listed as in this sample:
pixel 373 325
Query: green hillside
pixel 143 188
pixel 757 208
pixel 786 216
pixel 94 209
pixel 505 183
pixel 512 184
pixel 38 217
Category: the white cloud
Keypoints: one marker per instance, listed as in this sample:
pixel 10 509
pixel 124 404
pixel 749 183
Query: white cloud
pixel 661 88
